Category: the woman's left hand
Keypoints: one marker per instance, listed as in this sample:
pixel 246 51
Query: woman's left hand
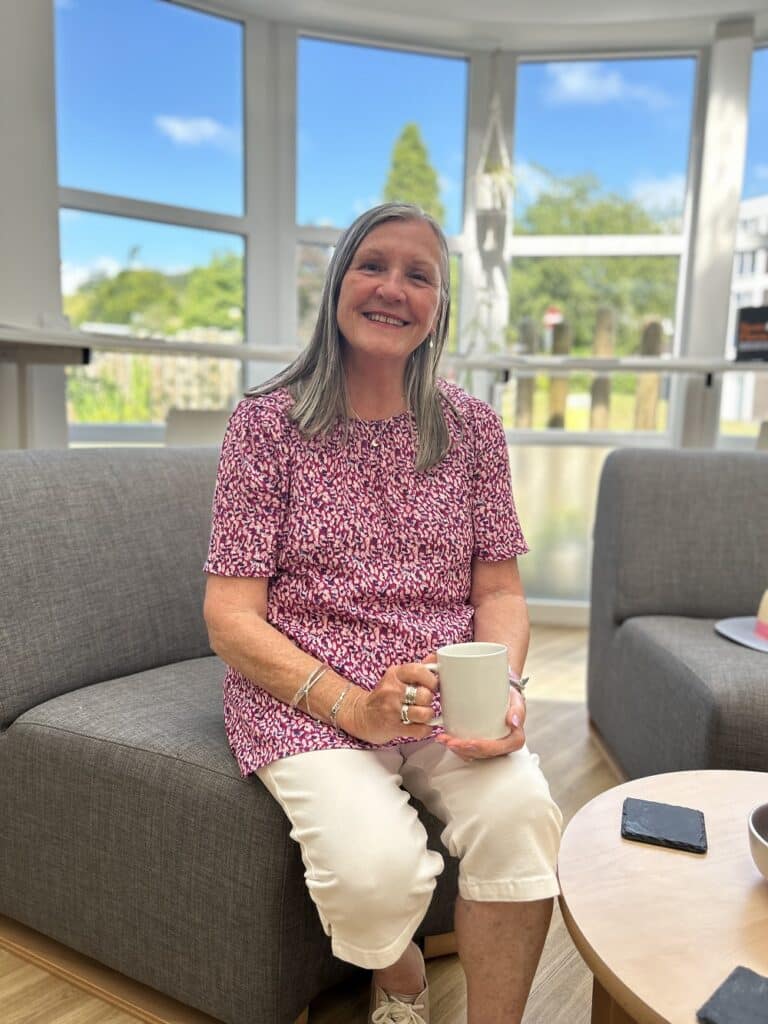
pixel 473 750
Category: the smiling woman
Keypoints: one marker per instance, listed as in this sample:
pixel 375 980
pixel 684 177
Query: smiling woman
pixel 363 518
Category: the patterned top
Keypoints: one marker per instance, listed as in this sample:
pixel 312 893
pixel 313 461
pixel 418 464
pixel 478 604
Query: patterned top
pixel 369 562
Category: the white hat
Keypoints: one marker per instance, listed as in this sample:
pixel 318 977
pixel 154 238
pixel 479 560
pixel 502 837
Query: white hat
pixel 750 630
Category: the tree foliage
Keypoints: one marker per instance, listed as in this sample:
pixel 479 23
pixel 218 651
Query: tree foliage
pixel 412 178
pixel 637 288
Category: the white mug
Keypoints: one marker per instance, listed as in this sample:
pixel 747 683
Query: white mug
pixel 474 690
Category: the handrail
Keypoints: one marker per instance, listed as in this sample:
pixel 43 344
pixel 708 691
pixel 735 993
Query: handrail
pixel 501 363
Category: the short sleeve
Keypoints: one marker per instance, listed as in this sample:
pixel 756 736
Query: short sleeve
pixel 497 531
pixel 251 495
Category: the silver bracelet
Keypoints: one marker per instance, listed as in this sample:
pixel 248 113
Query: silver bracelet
pixel 334 712
pixel 303 692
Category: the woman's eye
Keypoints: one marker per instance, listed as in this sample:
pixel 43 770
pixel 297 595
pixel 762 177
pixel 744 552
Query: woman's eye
pixel 370 265
pixel 417 275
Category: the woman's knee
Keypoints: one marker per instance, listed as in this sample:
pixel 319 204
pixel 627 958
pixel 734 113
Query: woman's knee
pixel 508 810
pixel 390 870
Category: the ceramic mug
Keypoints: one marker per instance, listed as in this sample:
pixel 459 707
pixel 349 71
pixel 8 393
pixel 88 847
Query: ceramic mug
pixel 474 690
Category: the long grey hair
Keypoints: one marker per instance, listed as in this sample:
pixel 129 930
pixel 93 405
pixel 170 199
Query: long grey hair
pixel 316 379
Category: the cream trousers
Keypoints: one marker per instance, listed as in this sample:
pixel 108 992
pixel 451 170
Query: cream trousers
pixel 368 869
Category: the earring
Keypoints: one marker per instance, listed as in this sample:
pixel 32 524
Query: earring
pixel 431 341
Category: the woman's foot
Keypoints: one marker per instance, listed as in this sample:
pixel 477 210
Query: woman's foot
pixel 391 1008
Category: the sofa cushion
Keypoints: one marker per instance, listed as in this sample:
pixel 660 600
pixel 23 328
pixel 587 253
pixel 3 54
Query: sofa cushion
pixel 681 533
pixel 100 566
pixel 685 698
pixel 152 855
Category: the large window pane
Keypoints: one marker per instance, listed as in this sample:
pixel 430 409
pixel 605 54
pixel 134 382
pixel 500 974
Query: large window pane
pixel 138 277
pixel 601 147
pixel 603 304
pixel 149 102
pixel 744 403
pixel 555 491
pixel 376 124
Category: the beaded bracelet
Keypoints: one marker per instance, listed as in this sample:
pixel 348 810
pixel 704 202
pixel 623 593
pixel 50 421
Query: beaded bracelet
pixel 334 712
pixel 302 694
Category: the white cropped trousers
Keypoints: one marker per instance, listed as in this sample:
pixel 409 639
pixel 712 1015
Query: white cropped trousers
pixel 367 866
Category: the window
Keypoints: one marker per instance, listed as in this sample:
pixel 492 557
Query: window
pixel 377 124
pixel 149 103
pixel 744 402
pixel 601 147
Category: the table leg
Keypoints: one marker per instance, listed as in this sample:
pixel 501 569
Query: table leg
pixel 605 1009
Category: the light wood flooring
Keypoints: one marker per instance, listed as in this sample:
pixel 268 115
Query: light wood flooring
pixel 577 771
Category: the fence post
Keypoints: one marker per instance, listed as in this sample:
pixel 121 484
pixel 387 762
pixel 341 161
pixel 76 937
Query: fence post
pixel 558 386
pixel 647 391
pixel 524 385
pixel 604 345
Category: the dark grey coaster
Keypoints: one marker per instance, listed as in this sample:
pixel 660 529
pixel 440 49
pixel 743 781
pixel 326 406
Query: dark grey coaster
pixel 679 828
pixel 741 999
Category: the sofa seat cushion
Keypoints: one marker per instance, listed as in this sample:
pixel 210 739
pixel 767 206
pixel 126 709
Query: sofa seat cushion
pixel 148 850
pixel 688 698
pixel 173 711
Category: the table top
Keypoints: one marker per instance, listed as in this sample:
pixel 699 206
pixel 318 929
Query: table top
pixel 659 928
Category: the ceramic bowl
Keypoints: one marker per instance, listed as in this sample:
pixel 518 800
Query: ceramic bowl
pixel 758 838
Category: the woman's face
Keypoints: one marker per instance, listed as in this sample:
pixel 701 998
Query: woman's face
pixel 390 294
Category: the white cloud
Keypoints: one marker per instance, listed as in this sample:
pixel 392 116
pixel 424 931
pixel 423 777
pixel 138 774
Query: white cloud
pixel 660 195
pixel 591 82
pixel 761 172
pixel 73 275
pixel 196 131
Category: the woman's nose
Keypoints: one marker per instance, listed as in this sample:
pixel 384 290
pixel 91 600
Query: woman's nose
pixel 391 287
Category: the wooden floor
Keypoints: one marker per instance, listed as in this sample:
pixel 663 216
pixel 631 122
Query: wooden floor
pixel 577 771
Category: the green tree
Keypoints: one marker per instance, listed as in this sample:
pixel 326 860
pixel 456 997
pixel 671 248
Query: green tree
pixel 145 298
pixel 213 296
pixel 412 178
pixel 635 287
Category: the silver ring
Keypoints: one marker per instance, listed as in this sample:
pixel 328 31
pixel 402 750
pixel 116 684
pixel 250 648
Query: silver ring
pixel 404 714
pixel 410 694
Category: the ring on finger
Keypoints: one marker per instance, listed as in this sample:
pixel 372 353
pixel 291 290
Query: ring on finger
pixel 404 708
pixel 410 694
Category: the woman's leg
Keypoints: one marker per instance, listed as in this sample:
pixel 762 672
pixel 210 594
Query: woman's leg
pixel 504 827
pixel 367 866
pixel 500 946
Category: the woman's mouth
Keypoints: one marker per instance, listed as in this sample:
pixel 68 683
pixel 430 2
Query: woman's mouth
pixel 385 318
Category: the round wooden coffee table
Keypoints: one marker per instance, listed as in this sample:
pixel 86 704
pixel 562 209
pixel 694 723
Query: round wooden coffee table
pixel 661 929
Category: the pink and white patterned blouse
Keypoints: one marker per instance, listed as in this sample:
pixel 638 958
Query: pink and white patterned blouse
pixel 369 562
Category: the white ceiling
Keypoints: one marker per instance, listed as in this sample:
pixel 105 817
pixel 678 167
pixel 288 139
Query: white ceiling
pixel 515 24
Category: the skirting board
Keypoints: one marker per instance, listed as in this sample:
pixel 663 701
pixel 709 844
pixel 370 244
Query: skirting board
pixel 570 614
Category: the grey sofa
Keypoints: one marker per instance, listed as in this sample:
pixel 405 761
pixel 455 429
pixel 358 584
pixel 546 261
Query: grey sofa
pixel 680 541
pixel 127 833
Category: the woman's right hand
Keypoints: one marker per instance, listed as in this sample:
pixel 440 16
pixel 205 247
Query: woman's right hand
pixel 376 715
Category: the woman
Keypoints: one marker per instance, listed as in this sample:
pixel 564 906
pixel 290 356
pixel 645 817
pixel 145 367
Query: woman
pixel 363 517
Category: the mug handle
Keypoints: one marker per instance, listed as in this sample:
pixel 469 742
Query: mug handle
pixel 433 667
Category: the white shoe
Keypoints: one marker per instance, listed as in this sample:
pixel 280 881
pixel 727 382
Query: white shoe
pixel 390 1009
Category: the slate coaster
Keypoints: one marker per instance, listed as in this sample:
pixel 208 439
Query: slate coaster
pixel 741 999
pixel 678 828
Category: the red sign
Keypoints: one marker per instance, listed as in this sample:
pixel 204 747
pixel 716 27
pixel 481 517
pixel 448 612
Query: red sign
pixel 552 315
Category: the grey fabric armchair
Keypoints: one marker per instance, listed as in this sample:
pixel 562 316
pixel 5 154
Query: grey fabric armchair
pixel 127 832
pixel 680 541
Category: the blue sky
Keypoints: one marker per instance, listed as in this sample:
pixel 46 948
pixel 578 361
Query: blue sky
pixel 149 100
